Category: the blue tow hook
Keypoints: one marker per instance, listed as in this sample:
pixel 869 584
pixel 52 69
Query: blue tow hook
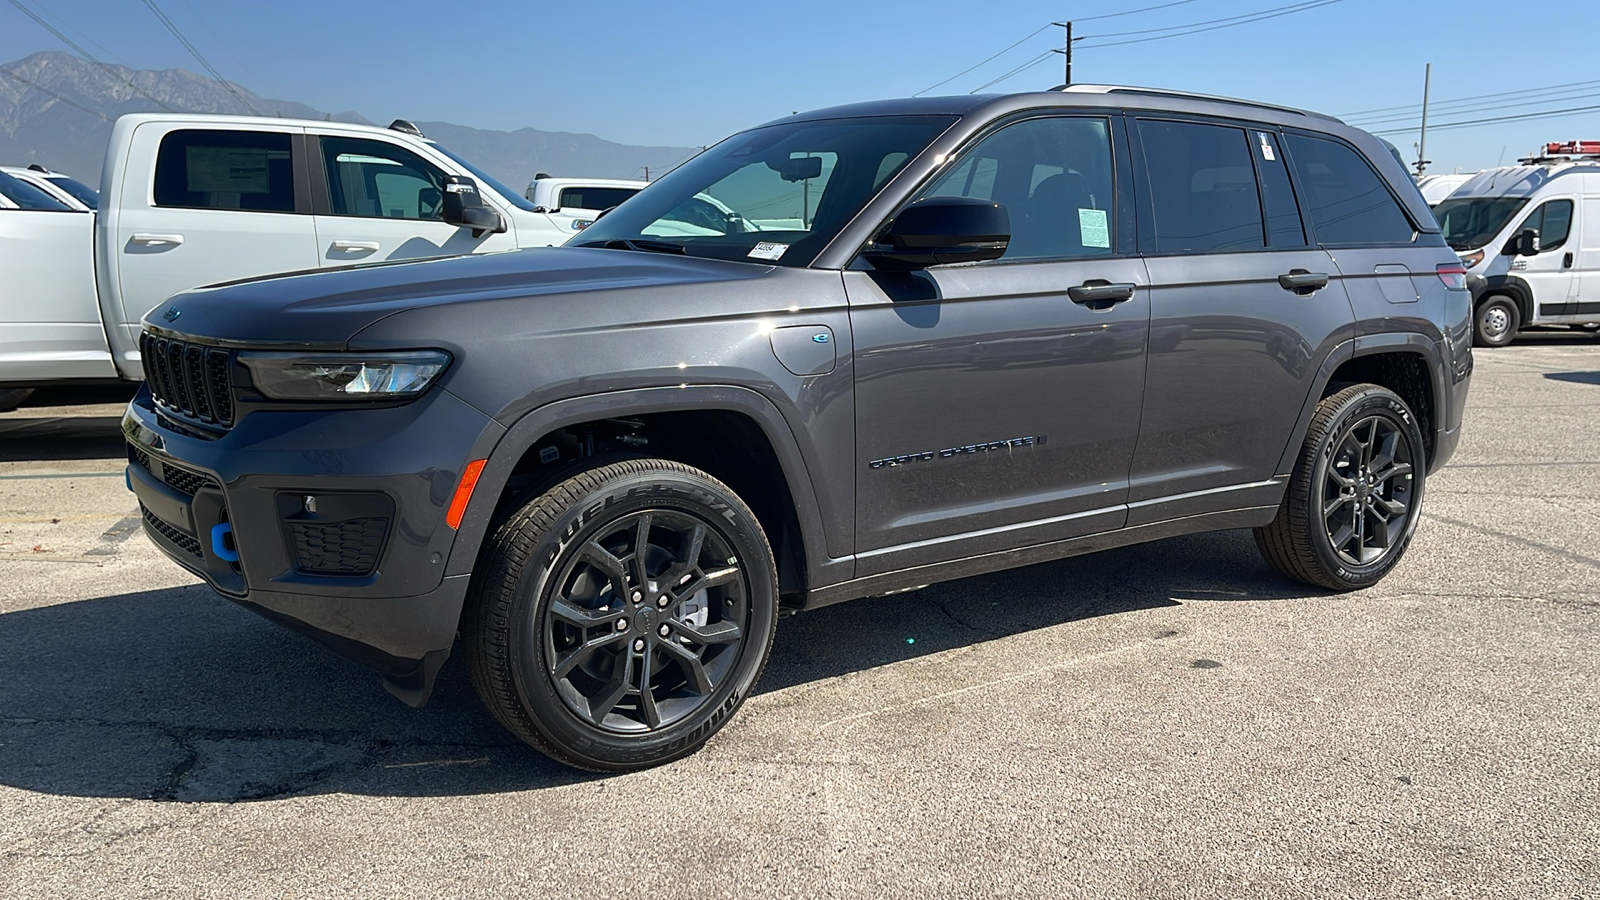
pixel 219 546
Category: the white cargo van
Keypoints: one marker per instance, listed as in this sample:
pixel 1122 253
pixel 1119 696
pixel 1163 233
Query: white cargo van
pixel 192 200
pixel 1529 236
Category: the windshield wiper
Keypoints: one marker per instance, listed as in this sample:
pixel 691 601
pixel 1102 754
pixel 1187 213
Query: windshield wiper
pixel 641 245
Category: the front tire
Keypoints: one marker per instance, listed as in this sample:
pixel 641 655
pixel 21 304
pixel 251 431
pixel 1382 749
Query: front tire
pixel 623 616
pixel 1496 322
pixel 1355 496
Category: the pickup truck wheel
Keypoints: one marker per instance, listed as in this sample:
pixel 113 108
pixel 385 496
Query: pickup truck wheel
pixel 11 398
pixel 1355 495
pixel 619 619
pixel 1496 321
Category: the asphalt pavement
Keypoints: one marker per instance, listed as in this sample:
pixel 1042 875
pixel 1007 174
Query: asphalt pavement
pixel 1170 720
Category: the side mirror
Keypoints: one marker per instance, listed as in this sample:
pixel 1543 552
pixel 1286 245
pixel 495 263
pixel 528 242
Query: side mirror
pixel 463 206
pixel 939 230
pixel 1526 243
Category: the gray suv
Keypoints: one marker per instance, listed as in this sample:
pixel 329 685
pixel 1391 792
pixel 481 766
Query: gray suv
pixel 844 354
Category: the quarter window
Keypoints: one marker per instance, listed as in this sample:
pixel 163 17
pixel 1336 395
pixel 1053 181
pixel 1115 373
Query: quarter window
pixel 1202 187
pixel 1349 203
pixel 376 179
pixel 240 170
pixel 1054 177
pixel 1553 219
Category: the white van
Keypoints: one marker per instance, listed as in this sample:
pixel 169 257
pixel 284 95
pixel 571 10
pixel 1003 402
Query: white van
pixel 1529 236
pixel 1435 188
pixel 192 200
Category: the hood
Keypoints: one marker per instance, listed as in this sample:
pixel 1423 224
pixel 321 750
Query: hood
pixel 325 308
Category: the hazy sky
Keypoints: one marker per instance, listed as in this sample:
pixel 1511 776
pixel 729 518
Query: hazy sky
pixel 686 73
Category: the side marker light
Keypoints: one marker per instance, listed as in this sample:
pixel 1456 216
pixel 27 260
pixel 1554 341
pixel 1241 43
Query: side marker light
pixel 458 505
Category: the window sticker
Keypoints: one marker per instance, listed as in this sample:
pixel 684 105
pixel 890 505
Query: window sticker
pixel 235 170
pixel 1266 146
pixel 767 250
pixel 1093 229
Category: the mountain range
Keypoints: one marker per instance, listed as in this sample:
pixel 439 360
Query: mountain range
pixel 56 109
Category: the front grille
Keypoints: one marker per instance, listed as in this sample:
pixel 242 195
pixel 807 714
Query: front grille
pixel 185 542
pixel 176 477
pixel 191 379
pixel 350 547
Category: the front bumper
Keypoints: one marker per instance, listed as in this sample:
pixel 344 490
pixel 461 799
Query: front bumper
pixel 331 522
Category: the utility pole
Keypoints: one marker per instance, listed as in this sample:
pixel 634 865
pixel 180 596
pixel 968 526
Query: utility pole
pixel 1066 50
pixel 646 173
pixel 1422 140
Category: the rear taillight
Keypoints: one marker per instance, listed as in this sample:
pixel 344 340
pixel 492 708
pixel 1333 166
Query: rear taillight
pixel 1454 276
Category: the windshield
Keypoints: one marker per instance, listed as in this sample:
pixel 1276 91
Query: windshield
pixel 86 195
pixel 775 195
pixel 26 196
pixel 1470 222
pixel 512 197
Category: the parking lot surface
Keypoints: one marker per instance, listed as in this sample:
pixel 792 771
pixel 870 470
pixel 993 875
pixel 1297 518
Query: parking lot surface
pixel 1170 720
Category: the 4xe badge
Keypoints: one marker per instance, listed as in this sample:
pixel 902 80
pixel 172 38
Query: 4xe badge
pixel 172 314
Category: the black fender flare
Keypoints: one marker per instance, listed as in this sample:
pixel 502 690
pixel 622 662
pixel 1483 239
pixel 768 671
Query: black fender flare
pixel 514 443
pixel 1509 285
pixel 1370 345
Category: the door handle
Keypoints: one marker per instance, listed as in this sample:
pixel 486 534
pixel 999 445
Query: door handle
pixel 353 246
pixel 154 239
pixel 1303 282
pixel 1566 261
pixel 1098 294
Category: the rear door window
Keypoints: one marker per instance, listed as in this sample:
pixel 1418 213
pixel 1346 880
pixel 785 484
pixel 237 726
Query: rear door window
pixel 240 170
pixel 1348 201
pixel 593 197
pixel 1202 187
pixel 376 179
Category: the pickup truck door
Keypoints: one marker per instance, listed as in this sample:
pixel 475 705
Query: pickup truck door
pixel 200 206
pixel 997 404
pixel 51 326
pixel 378 200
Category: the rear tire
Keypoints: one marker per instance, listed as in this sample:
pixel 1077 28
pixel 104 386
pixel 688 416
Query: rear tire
pixel 11 398
pixel 1496 321
pixel 1355 496
pixel 620 618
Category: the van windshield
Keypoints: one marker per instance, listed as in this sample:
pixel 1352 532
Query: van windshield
pixel 1470 222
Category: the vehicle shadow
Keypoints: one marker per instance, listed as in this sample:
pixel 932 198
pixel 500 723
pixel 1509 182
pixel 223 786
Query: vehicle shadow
pixel 179 695
pixel 48 438
pixel 1575 377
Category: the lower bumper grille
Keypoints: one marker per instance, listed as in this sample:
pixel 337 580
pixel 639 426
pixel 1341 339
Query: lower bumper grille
pixel 185 542
pixel 176 477
pixel 350 547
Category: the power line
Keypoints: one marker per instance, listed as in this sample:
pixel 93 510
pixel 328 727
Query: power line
pixel 195 52
pixel 1526 104
pixel 1509 99
pixel 1198 24
pixel 218 38
pixel 1550 114
pixel 1017 71
pixel 1414 107
pixel 988 60
pixel 1252 17
pixel 86 54
pixel 1131 12
pixel 38 87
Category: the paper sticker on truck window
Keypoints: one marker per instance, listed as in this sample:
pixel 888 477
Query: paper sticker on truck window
pixel 1266 145
pixel 228 170
pixel 767 250
pixel 1092 228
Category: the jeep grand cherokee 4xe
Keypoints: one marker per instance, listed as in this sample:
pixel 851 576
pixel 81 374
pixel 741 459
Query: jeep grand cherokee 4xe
pixel 835 356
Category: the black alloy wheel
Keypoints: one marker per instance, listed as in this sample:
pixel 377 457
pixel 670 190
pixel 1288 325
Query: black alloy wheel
pixel 1355 496
pixel 647 620
pixel 620 618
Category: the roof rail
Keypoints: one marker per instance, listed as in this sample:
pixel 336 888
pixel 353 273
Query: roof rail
pixel 1188 95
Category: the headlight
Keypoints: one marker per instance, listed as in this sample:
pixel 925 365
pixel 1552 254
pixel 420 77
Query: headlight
pixel 344 376
pixel 1471 259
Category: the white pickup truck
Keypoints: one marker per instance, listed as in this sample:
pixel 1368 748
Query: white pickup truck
pixel 574 203
pixel 192 200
